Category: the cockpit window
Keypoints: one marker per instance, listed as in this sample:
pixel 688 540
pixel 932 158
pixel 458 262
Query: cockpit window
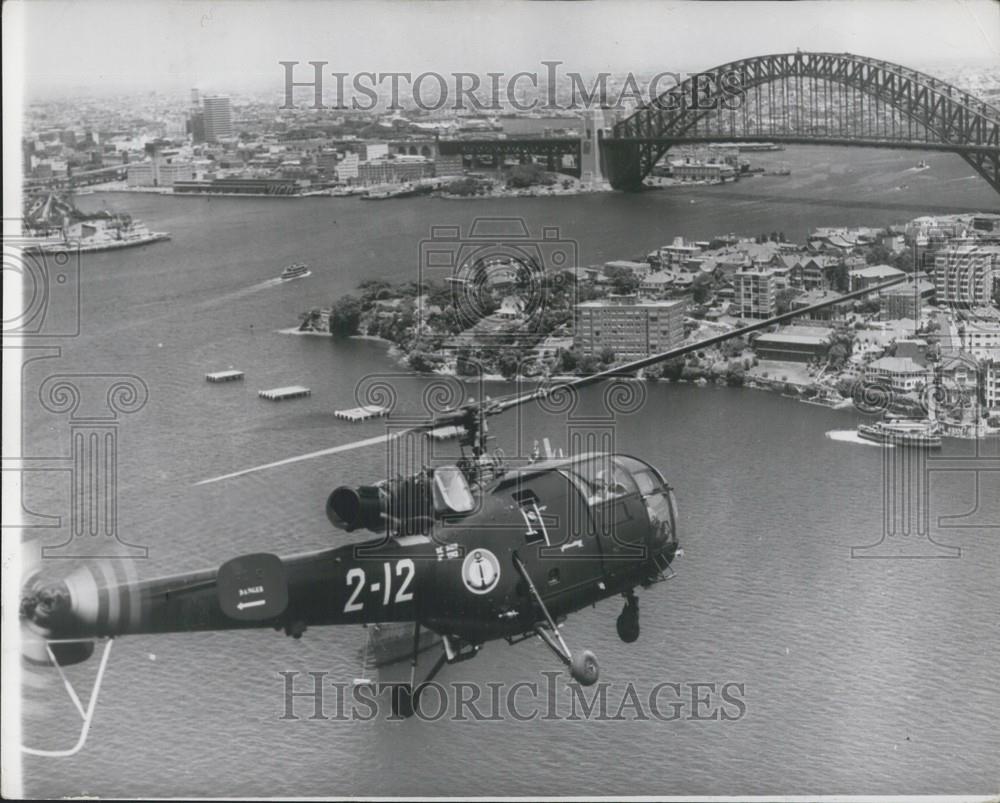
pixel 646 478
pixel 451 491
pixel 602 478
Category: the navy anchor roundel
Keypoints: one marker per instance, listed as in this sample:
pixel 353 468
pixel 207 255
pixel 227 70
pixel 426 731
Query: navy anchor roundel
pixel 480 571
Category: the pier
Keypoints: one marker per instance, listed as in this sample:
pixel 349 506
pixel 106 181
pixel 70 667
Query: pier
pixel 224 376
pixel 282 394
pixel 364 413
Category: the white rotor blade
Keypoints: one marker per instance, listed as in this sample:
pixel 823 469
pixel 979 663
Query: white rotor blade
pixel 332 450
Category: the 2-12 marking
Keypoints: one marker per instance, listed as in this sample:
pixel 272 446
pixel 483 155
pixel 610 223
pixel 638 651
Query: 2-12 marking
pixel 356 579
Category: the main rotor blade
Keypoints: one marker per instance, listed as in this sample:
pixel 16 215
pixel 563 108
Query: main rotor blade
pixel 499 405
pixel 309 456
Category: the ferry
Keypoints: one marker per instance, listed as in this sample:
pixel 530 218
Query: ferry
pixel 902 432
pixel 295 271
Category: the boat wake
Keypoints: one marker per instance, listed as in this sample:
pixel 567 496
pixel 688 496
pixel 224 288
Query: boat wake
pixel 243 292
pixel 851 436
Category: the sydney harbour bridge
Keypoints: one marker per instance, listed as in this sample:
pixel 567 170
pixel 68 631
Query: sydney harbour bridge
pixel 793 98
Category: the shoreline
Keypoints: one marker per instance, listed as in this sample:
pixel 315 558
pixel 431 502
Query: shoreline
pixel 775 387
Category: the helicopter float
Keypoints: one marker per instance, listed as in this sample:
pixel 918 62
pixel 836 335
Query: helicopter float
pixel 473 552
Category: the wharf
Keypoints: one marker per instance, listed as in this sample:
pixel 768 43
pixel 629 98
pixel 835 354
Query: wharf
pixel 364 413
pixel 281 394
pixel 224 376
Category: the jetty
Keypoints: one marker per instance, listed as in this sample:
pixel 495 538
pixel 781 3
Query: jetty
pixel 224 376
pixel 363 413
pixel 282 394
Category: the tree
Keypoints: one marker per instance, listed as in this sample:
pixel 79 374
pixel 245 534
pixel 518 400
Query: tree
pixel 465 365
pixel 837 354
pixel 422 362
pixel 588 364
pixel 509 364
pixel 623 281
pixel 345 316
pixel 783 300
pixel 607 355
pixel 672 369
pixel 735 376
pixel 568 361
pixel 701 292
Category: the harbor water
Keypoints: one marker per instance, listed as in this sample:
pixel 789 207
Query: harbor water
pixel 858 675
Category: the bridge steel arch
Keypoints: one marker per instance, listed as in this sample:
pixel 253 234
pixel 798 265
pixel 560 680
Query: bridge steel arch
pixel 808 98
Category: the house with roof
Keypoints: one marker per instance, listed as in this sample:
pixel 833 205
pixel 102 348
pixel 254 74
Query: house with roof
pixel 901 374
pixel 871 275
pixel 794 344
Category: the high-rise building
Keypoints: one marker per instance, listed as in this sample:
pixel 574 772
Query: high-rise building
pixel 218 118
pixel 629 326
pixel 755 292
pixel 966 273
pixel 196 125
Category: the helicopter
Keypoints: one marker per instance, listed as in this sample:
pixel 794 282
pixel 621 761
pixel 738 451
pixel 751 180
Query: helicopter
pixel 473 551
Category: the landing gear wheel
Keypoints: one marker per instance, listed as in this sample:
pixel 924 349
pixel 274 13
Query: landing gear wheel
pixel 584 668
pixel 402 698
pixel 628 624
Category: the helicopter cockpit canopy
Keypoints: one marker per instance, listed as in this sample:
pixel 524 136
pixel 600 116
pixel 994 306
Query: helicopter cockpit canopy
pixel 606 477
pixel 602 477
pixel 451 491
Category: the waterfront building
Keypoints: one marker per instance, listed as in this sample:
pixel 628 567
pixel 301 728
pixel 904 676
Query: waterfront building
pixel 394 171
pixel 677 253
pixel 860 278
pixel 347 169
pixel 159 172
pixel 629 326
pixel 755 292
pixel 794 344
pixel 448 165
pixel 218 118
pixel 905 300
pixel 966 273
pixel 901 374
